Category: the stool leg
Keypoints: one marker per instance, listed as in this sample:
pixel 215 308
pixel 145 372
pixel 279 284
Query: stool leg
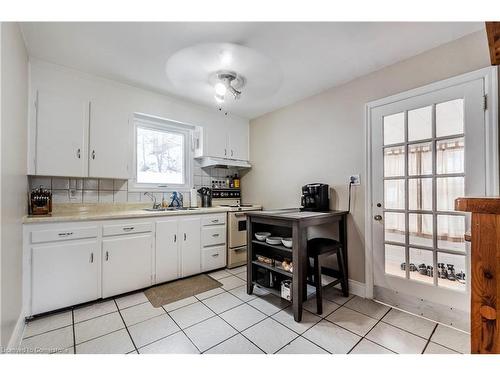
pixel 342 269
pixel 317 282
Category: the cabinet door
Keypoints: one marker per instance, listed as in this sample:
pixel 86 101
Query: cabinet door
pixel 167 250
pixel 64 274
pixel 110 150
pixel 237 142
pixel 215 141
pixel 127 263
pixel 61 135
pixel 189 231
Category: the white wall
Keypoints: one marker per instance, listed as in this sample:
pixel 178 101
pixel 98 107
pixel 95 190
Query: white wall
pixel 13 183
pixel 47 76
pixel 321 138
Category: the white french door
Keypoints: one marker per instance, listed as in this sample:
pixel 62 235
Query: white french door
pixel 426 150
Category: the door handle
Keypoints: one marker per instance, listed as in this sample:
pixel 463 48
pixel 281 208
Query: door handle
pixel 93 154
pixel 65 234
pixel 215 255
pixel 128 229
pixel 175 238
pixel 107 256
pixel 78 154
pixel 91 257
pixel 215 221
pixel 185 237
pixel 378 217
pixel 215 235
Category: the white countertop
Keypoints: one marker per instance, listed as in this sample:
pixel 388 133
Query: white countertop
pixel 78 212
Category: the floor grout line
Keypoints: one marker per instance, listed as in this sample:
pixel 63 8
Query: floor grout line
pixel 429 339
pixel 125 324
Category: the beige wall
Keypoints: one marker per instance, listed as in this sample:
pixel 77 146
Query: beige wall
pixel 321 138
pixel 13 184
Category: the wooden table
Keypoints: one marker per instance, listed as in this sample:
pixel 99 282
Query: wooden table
pixel 290 223
pixel 485 272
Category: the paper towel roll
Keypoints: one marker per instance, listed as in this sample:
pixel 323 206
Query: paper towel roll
pixel 193 198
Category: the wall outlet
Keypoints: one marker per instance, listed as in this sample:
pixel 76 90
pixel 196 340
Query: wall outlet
pixel 355 179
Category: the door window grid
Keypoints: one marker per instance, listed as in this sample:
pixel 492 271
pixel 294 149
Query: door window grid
pixel 404 150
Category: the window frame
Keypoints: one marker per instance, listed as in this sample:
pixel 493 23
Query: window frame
pixel 160 124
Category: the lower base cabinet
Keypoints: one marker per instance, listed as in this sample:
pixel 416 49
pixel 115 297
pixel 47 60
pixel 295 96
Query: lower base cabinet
pixel 127 263
pixel 213 257
pixel 64 274
pixel 189 230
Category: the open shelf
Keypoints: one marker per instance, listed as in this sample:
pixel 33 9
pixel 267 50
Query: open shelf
pixel 277 247
pixel 273 269
pixel 270 290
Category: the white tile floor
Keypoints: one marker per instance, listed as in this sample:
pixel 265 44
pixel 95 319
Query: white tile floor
pixel 227 320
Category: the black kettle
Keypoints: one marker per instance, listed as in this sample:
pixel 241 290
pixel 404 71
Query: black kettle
pixel 206 196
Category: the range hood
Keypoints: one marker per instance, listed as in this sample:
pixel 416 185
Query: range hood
pixel 208 161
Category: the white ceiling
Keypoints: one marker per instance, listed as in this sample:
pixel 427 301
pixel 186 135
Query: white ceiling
pixel 312 57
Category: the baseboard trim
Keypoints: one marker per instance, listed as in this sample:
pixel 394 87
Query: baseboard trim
pixel 356 287
pixel 17 334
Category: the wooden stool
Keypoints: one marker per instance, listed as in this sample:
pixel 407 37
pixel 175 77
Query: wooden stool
pixel 326 246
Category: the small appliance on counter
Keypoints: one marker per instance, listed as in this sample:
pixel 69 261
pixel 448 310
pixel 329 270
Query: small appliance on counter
pixel 315 197
pixel 40 202
pixel 206 196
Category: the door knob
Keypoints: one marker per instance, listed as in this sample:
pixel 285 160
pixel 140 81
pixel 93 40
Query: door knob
pixel 378 217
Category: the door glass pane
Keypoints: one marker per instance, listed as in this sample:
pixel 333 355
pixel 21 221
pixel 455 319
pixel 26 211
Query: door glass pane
pixel 424 265
pixel 420 123
pixel 447 190
pixel 394 161
pixel 395 260
pixel 394 226
pixel 451 271
pixel 420 159
pixel 394 128
pixel 450 156
pixel 450 232
pixel 420 227
pixel 420 194
pixel 450 118
pixel 394 194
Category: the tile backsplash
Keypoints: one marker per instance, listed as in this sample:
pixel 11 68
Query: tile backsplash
pixel 92 190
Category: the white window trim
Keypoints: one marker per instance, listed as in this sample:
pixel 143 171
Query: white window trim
pixel 145 121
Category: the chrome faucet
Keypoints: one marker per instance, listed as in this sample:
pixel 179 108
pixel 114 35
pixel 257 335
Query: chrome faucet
pixel 153 198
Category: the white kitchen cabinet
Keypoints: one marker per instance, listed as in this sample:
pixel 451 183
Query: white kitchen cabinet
pixel 237 143
pixel 61 134
pixel 213 257
pixel 110 146
pixel 189 230
pixel 229 141
pixel 167 250
pixel 63 274
pixel 127 263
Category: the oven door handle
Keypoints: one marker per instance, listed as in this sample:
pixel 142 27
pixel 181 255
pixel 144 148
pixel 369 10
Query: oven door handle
pixel 240 215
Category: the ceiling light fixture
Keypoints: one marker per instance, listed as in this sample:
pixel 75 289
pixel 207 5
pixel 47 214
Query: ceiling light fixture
pixel 227 82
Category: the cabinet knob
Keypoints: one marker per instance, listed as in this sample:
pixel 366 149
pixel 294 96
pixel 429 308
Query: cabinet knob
pixel 93 154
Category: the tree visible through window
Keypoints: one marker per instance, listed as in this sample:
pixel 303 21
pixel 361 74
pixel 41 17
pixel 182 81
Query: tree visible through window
pixel 160 156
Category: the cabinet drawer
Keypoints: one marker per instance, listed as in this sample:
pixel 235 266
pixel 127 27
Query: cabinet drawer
pixel 61 234
pixel 125 228
pixel 213 219
pixel 213 235
pixel 213 257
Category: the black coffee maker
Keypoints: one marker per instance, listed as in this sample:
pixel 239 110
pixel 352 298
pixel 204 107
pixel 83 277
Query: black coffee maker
pixel 315 197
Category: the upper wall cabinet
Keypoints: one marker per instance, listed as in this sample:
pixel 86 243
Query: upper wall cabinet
pixel 226 140
pixel 110 150
pixel 80 137
pixel 61 135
